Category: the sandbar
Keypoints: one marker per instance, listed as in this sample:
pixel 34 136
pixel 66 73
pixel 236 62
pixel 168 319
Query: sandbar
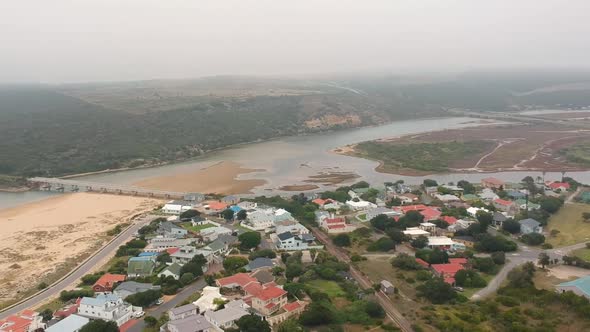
pixel 220 178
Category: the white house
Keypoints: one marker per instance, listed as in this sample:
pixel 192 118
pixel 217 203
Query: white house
pixel 160 243
pixel 282 215
pixel 107 307
pixel 414 232
pixel 288 241
pixel 207 299
pixel 447 198
pixel 372 213
pixel 360 205
pixel 176 207
pixel 472 211
pixel 72 323
pixel 212 233
pixel 260 220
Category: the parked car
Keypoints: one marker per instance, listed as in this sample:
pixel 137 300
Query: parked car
pixel 160 301
pixel 138 314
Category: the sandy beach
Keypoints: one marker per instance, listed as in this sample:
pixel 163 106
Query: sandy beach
pixel 220 178
pixel 40 238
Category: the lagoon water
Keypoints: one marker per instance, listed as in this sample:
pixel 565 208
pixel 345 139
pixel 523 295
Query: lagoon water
pixel 291 160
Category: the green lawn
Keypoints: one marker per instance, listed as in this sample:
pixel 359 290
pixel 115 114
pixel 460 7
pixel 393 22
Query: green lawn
pixel 362 217
pixel 190 227
pixel 569 222
pixel 583 254
pixel 468 292
pixel 329 287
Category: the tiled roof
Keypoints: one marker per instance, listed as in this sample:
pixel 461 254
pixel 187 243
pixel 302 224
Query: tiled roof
pixel 271 293
pixel 292 306
pixel 461 261
pixel 448 219
pixel 408 208
pixel 422 262
pixel 447 269
pixel 556 185
pixel 241 279
pixel 335 220
pixel 430 213
pixel 503 202
pixel 253 288
pixel 217 205
pixel 107 280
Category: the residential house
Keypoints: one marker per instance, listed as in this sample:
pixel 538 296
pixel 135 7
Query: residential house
pixel 195 323
pixel 447 198
pixel 358 204
pixel 336 225
pixel 498 219
pixel 372 213
pixel 387 287
pixel 493 183
pixel 559 186
pixel 333 205
pixel 208 298
pixel 222 245
pixel 214 207
pixel 170 230
pixel 247 205
pixel 140 266
pixel 472 211
pixel 131 287
pixel 106 282
pixel 488 195
pixel 407 198
pixel 160 243
pixel 212 233
pixel 505 206
pixel 428 226
pixel 414 232
pixel 172 270
pixel 450 220
pixel 226 317
pixel 580 286
pixel 460 224
pixel 515 194
pixel 530 225
pixel 444 243
pixel 430 213
pixel 447 271
pixel 109 307
pixel 176 207
pixel 72 323
pixel 260 263
pixel 524 204
pixel 321 215
pixel 237 281
pixel 293 227
pixel 185 254
pixel 230 199
pixel 260 220
pixel 25 321
pixel 269 300
pixel 282 215
pixel 182 312
pixel 194 197
pixel 289 241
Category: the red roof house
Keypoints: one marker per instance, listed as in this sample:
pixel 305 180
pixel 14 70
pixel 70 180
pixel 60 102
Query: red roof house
pixel 559 186
pixel 107 281
pixel 422 262
pixel 240 280
pixel 448 219
pixel 407 208
pixel 217 206
pixel 430 214
pixel 27 320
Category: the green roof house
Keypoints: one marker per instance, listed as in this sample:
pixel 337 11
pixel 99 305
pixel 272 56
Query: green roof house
pixel 140 266
pixel 522 204
pixel 579 286
pixel 172 270
pixel 469 198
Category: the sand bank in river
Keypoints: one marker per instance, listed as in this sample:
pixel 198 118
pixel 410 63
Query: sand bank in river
pixel 40 238
pixel 220 178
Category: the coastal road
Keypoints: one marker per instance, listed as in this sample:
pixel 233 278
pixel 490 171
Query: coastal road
pixel 80 271
pixel 184 294
pixel 365 283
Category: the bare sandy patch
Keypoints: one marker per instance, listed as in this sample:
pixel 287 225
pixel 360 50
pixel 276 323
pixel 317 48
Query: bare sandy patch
pixel 568 272
pixel 220 178
pixel 51 236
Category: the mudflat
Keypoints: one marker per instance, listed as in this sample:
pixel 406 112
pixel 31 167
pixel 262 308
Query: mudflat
pixel 220 178
pixel 41 240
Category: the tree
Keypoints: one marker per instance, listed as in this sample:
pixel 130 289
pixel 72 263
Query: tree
pixel 430 183
pixel 189 214
pixel 317 313
pixel 533 239
pixel 499 258
pixel 242 215
pixel 383 244
pixel 489 243
pixel 405 262
pixel 249 240
pixel 293 270
pixel 164 258
pixel 144 299
pixel 187 278
pixel 396 235
pixel 419 242
pixel 381 222
pixel 232 263
pixel 441 224
pixel 268 253
pixel 342 240
pixel 194 266
pixel 438 256
pixel 551 204
pixel 469 278
pixel 484 218
pixel 294 289
pixel 228 214
pixel 290 325
pixel 436 291
pixel 522 276
pixel 511 226
pixel 47 314
pixel 374 309
pixel 99 325
pixel 484 264
pixel 468 188
pixel 544 259
pixel 150 321
pixel 252 323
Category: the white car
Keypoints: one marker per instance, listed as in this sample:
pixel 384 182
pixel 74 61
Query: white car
pixel 160 301
pixel 138 314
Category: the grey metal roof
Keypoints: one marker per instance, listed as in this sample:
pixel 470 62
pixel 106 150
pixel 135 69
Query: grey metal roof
pixel 135 287
pixel 71 323
pixel 285 236
pixel 193 323
pixel 183 309
pixel 529 222
pixel 260 262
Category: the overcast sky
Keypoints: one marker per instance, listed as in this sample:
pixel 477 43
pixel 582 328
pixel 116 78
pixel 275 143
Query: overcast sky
pixel 96 40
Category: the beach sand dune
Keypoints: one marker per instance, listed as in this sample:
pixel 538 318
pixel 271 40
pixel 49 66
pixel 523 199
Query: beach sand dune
pixel 220 178
pixel 40 238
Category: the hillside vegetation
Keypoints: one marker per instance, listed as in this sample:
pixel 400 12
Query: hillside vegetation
pixel 66 129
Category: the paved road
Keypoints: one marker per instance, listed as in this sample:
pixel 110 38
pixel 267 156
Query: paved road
pixel 80 271
pixel 523 255
pixel 179 298
pixel 365 283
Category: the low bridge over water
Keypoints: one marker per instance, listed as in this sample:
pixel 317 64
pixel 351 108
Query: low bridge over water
pixel 67 185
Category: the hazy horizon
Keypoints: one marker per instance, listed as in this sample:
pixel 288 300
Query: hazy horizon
pixel 96 41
